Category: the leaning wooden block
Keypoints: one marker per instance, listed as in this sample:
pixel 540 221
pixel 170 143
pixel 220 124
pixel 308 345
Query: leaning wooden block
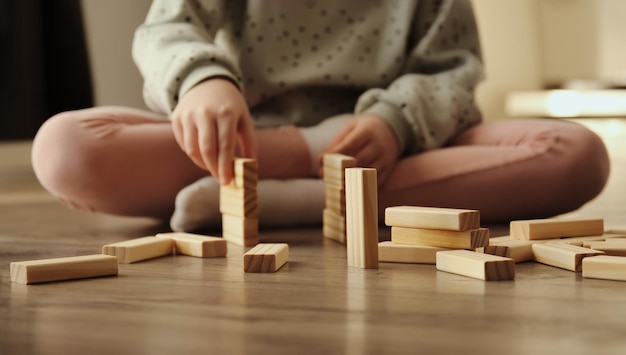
pixel 240 230
pixel 605 267
pixel 134 250
pixel 432 218
pixel 267 257
pixel 613 248
pixel 238 202
pixel 404 253
pixel 562 255
pixel 362 217
pixel 518 250
pixel 201 246
pixel 334 226
pixel 469 239
pixel 480 266
pixel 59 269
pixel 555 228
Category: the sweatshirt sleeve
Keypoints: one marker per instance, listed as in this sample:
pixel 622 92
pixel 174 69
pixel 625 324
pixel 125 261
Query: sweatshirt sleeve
pixel 433 99
pixel 175 49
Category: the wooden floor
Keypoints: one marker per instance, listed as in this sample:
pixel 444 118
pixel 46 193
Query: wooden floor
pixel 315 304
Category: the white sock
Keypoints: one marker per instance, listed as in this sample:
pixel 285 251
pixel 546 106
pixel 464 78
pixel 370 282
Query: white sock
pixel 318 137
pixel 282 203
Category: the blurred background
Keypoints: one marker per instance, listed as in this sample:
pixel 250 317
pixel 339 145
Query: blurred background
pixel 529 46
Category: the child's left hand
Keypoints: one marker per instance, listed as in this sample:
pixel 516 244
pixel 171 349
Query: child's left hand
pixel 370 140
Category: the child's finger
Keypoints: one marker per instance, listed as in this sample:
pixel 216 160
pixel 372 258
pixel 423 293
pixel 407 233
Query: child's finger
pixel 226 146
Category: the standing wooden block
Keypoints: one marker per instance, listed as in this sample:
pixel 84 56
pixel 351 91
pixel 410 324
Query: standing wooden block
pixel 200 246
pixel 432 218
pixel 562 255
pixel 362 217
pixel 240 230
pixel 134 250
pixel 555 228
pixel 246 174
pixel 336 199
pixel 404 253
pixel 469 239
pixel 59 269
pixel 239 201
pixel 605 267
pixel 480 266
pixel 266 257
pixel 334 226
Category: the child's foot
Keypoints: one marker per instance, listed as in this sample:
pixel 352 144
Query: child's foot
pixel 282 203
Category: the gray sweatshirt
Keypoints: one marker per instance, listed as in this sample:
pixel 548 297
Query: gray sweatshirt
pixel 413 63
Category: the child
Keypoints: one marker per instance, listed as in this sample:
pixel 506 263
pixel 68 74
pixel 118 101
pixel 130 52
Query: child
pixel 388 82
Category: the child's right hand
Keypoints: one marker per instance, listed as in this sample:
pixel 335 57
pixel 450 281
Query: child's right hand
pixel 209 121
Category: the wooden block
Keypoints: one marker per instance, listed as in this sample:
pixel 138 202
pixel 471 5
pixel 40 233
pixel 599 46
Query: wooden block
pixel 468 239
pixel 564 256
pixel 334 226
pixel 605 267
pixel 336 199
pixel 246 174
pixel 362 217
pixel 201 246
pixel 134 250
pixel 480 266
pixel 238 202
pixel 59 269
pixel 240 230
pixel 404 253
pixel 266 257
pixel 338 161
pixel 613 248
pixel 496 240
pixel 334 177
pixel 498 250
pixel 518 250
pixel 432 218
pixel 578 241
pixel 555 228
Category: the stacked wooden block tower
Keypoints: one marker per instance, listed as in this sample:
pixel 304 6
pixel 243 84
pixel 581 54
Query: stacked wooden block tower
pixel 334 215
pixel 239 205
pixel 445 237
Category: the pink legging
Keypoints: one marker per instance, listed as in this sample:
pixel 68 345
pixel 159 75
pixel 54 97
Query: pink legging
pixel 125 161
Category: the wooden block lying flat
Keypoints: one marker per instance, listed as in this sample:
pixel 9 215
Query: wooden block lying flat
pixel 59 269
pixel 578 241
pixel 404 253
pixel 246 174
pixel 334 226
pixel 134 250
pixel 555 228
pixel 238 202
pixel 498 250
pixel 480 266
pixel 266 257
pixel 200 246
pixel 240 230
pixel 564 256
pixel 612 248
pixel 605 267
pixel 496 240
pixel 432 218
pixel 518 250
pixel 362 217
pixel 338 161
pixel 469 239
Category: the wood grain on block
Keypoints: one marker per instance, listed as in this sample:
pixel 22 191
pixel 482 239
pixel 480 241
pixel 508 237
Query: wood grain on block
pixel 201 246
pixel 338 161
pixel 469 239
pixel 498 250
pixel 362 217
pixel 334 226
pixel 334 177
pixel 518 250
pixel 561 255
pixel 240 230
pixel 432 218
pixel 496 240
pixel 404 253
pixel 605 267
pixel 238 202
pixel 246 174
pixel 578 241
pixel 480 266
pixel 555 228
pixel 612 248
pixel 59 269
pixel 266 257
pixel 336 199
pixel 134 250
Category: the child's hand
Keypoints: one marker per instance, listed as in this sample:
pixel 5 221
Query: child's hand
pixel 370 140
pixel 209 121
